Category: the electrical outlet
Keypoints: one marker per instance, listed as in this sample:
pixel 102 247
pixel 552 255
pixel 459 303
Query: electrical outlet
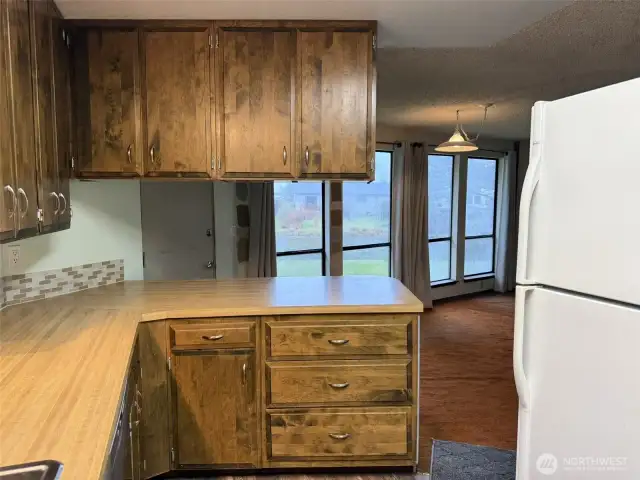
pixel 13 257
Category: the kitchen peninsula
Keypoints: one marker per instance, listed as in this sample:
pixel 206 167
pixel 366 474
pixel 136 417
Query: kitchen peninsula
pixel 141 378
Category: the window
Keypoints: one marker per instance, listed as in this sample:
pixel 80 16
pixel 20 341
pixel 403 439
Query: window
pixel 480 219
pixel 299 228
pixel 367 222
pixel 440 199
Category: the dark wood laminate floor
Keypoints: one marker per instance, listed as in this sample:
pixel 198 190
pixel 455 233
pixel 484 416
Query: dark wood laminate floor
pixel 467 391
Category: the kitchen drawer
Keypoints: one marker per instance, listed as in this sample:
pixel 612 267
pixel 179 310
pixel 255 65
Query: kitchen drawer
pixel 204 336
pixel 339 433
pixel 324 337
pixel 335 382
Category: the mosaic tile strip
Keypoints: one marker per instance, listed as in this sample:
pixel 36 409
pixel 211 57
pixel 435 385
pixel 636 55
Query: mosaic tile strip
pixel 28 287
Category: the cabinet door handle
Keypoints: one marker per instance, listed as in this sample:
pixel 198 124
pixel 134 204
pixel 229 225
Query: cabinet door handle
pixel 26 201
pixel 244 373
pixel 152 152
pixel 212 337
pixel 339 436
pixel 129 153
pixel 339 386
pixel 14 207
pixel 284 155
pixel 55 195
pixel 306 155
pixel 64 209
pixel 338 342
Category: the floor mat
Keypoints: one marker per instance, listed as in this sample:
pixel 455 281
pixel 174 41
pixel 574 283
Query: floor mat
pixel 463 461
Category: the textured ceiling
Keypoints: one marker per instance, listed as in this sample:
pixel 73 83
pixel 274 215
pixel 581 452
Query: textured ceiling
pixel 402 23
pixel 586 45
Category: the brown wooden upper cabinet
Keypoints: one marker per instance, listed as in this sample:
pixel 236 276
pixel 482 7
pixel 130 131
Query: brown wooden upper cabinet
pixel 20 188
pixel 215 419
pixel 32 85
pixel 107 73
pixel 177 82
pixel 337 118
pixel 63 117
pixel 7 178
pixel 255 89
pixel 226 99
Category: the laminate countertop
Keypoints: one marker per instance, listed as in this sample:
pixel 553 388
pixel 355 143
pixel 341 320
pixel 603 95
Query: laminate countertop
pixel 63 361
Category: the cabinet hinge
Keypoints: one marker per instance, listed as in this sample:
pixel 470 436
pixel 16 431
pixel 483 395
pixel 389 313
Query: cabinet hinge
pixel 173 455
pixel 169 363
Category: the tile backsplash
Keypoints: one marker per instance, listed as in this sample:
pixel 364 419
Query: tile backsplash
pixel 28 287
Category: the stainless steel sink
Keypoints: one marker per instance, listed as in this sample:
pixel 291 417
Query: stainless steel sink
pixel 44 470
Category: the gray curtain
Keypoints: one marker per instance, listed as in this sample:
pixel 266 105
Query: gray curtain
pixel 506 231
pixel 262 231
pixel 409 222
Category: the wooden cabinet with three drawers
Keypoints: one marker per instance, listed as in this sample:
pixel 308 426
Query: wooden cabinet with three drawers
pixel 289 391
pixel 339 390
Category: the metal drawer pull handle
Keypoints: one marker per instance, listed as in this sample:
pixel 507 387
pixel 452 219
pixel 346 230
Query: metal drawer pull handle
pixel 339 386
pixel 338 342
pixel 129 153
pixel 64 209
pixel 340 436
pixel 306 155
pixel 55 195
pixel 212 337
pixel 14 207
pixel 26 200
pixel 244 373
pixel 152 152
pixel 284 155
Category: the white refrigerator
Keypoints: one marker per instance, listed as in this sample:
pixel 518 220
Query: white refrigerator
pixel 577 321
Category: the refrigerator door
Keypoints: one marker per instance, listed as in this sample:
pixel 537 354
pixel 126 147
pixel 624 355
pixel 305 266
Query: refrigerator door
pixel 579 414
pixel 580 207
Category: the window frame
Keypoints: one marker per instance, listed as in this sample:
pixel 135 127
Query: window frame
pixel 379 244
pixel 490 273
pixel 450 279
pixel 322 249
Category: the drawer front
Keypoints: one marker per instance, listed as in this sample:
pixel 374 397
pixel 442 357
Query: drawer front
pixel 339 434
pixel 212 335
pixel 322 382
pixel 327 338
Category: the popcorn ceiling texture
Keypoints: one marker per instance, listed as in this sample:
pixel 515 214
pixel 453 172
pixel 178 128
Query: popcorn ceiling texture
pixel 28 287
pixel 586 45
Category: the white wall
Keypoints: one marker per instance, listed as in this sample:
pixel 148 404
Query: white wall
pixel 105 226
pixel 226 229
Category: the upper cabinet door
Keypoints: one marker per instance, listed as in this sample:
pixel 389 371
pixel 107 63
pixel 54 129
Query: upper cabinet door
pixel 63 125
pixel 178 102
pixel 337 78
pixel 42 64
pixel 7 183
pixel 256 102
pixel 108 109
pixel 19 65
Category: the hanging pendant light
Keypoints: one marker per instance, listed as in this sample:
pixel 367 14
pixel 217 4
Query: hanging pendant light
pixel 460 141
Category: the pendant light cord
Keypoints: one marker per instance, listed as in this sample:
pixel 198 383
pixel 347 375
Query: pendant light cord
pixel 466 136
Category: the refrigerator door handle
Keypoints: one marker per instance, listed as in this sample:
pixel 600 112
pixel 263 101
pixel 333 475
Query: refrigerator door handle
pixel 528 188
pixel 522 385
